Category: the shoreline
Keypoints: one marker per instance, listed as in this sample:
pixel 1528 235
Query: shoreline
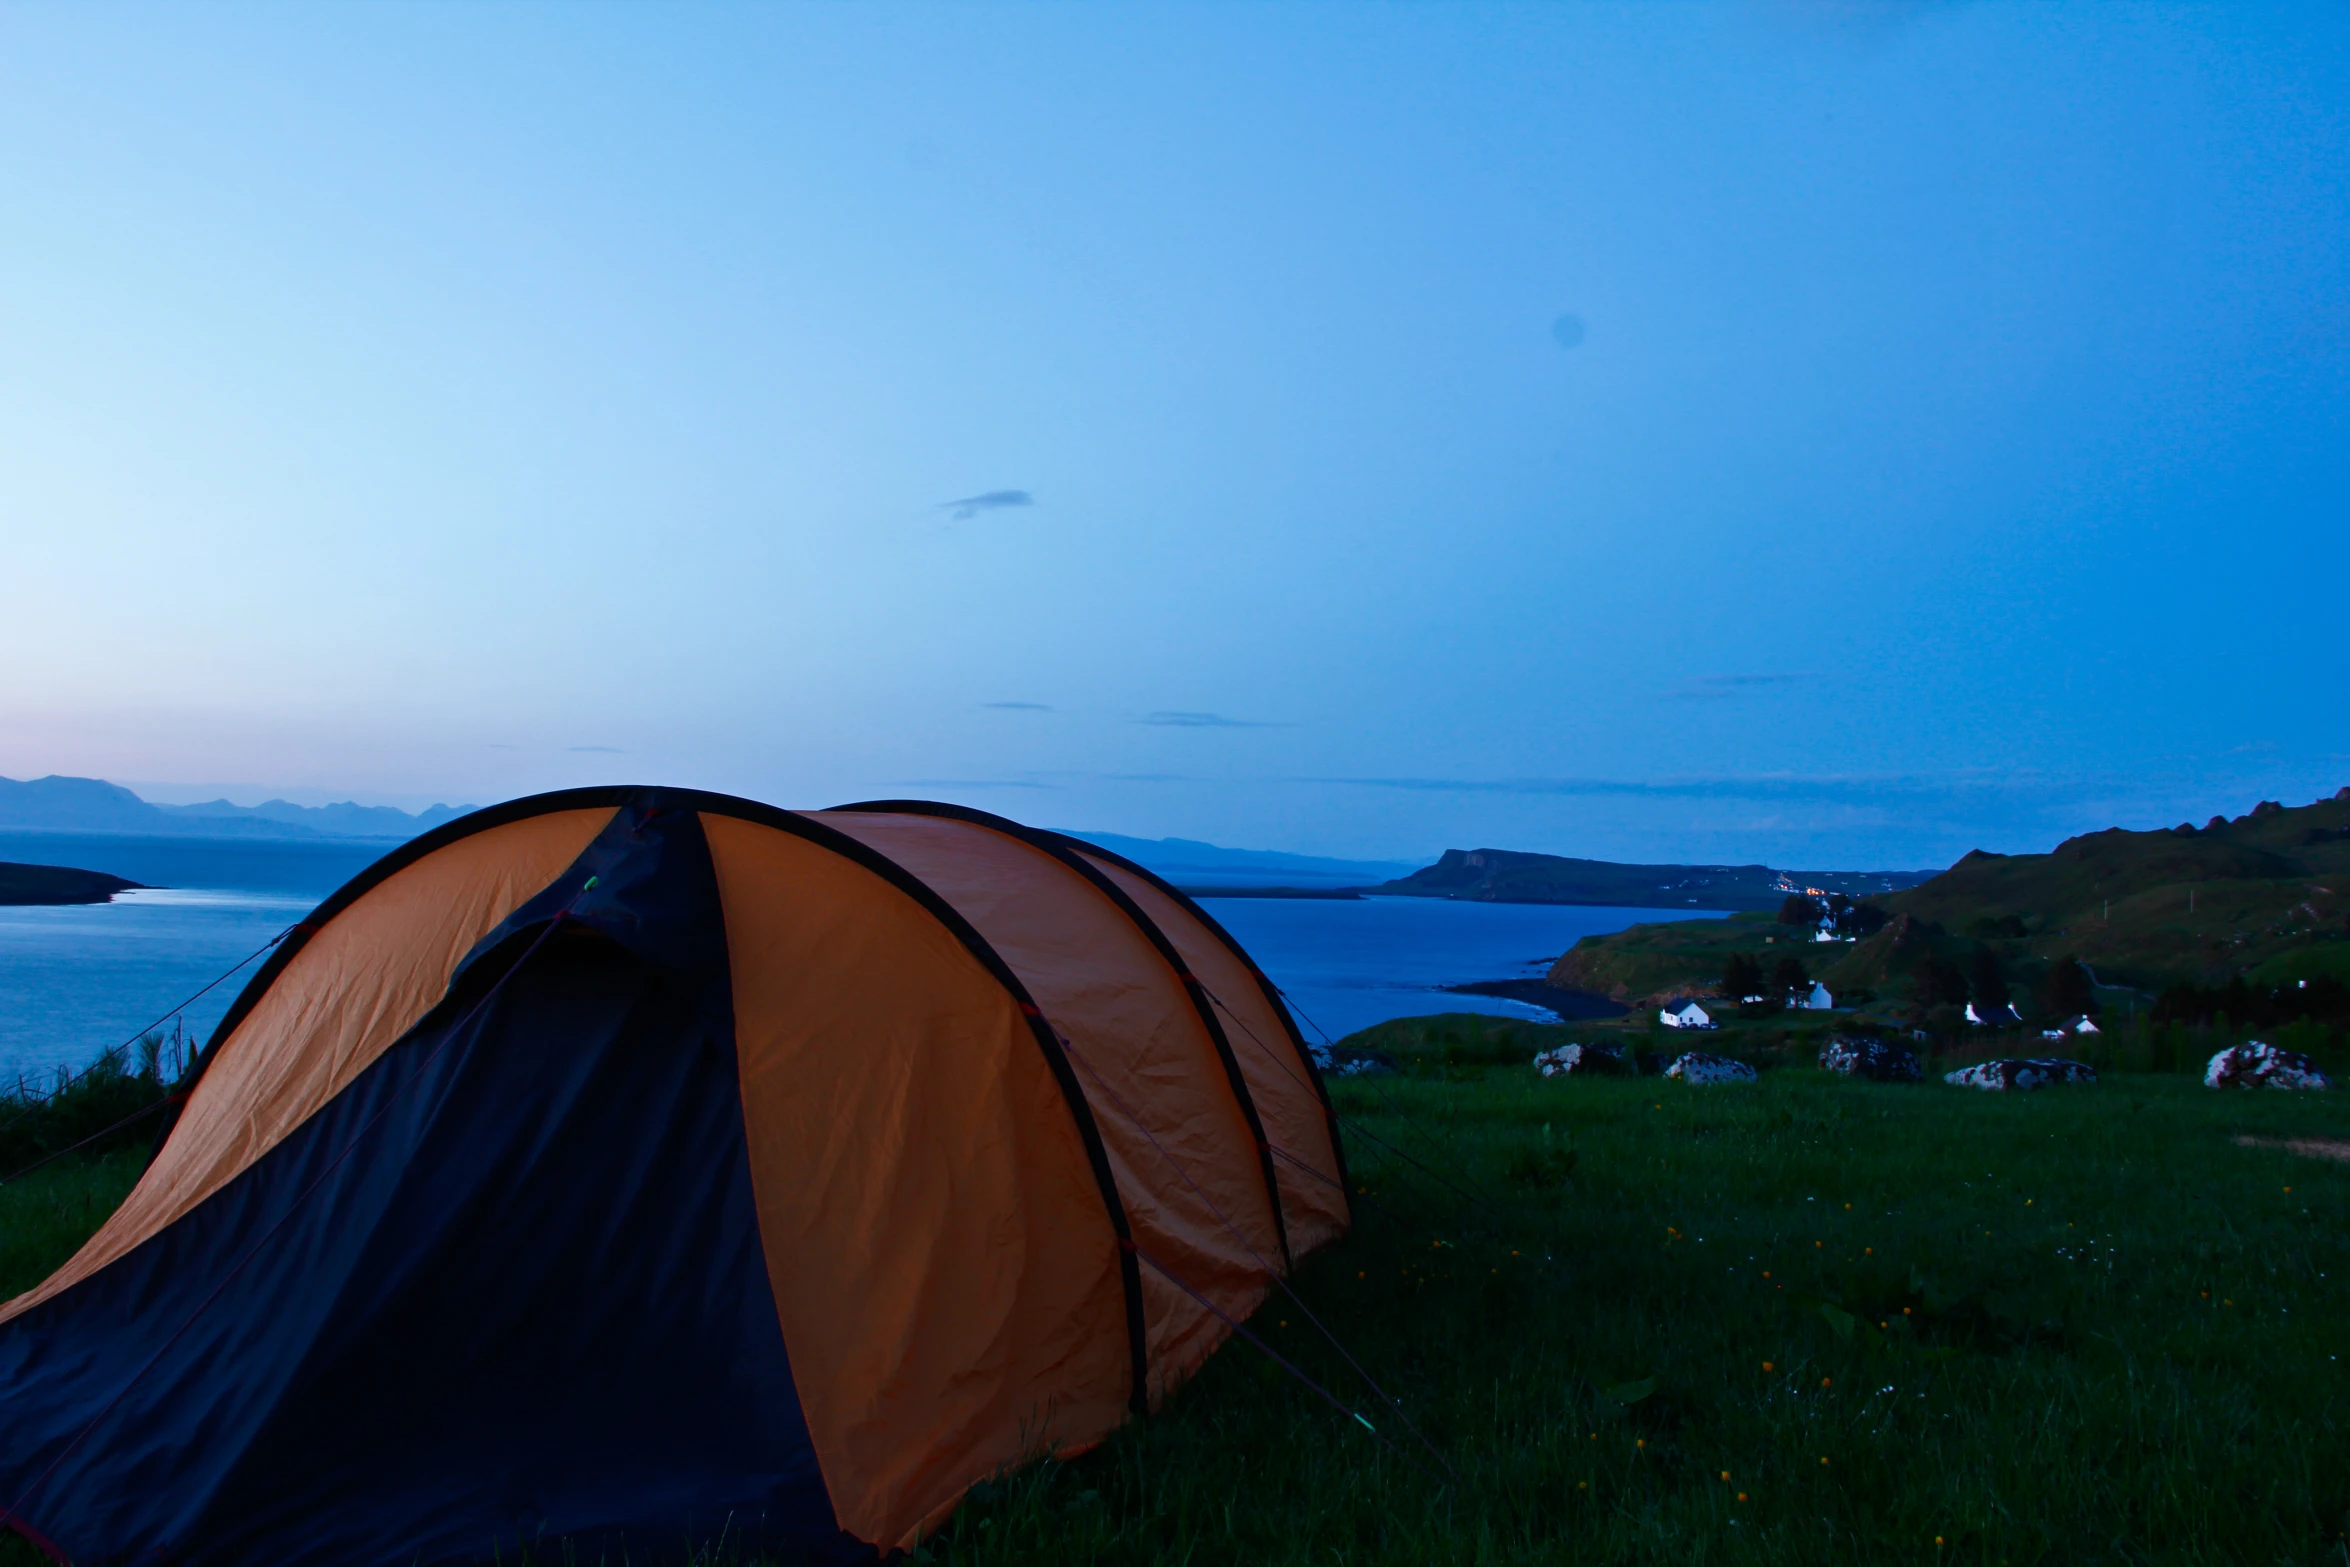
pixel 1572 1006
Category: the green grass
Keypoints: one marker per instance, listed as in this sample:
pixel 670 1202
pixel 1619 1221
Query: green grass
pixel 2123 1340
pixel 45 1217
pixel 114 1103
pixel 2077 1326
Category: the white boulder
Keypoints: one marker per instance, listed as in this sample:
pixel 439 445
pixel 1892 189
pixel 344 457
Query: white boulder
pixel 1878 1060
pixel 1696 1066
pixel 2256 1065
pixel 2012 1074
pixel 1567 1060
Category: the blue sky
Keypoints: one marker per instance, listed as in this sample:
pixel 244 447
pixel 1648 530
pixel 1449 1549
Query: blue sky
pixel 1827 434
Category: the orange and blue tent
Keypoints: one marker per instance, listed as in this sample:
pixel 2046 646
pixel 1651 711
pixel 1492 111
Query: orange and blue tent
pixel 627 1166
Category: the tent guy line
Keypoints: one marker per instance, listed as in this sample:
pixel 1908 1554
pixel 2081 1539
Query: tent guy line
pixel 1119 1103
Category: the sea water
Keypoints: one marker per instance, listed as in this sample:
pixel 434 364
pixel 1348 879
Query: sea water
pixel 80 979
pixel 1345 964
pixel 77 980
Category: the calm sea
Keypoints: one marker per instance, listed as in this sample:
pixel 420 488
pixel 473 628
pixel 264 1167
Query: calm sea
pixel 1346 965
pixel 74 981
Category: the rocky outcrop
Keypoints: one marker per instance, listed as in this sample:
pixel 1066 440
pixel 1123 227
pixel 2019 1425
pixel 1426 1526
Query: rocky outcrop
pixel 1696 1066
pixel 1584 1060
pixel 1353 1061
pixel 1878 1060
pixel 2257 1065
pixel 2020 1074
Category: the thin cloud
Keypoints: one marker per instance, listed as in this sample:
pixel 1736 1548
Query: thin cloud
pixel 1841 789
pixel 973 783
pixel 1019 707
pixel 601 750
pixel 993 500
pixel 1171 720
pixel 1717 688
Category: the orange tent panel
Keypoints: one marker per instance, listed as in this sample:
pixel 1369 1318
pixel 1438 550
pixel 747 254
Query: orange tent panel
pixel 943 1261
pixel 1297 1123
pixel 1186 1162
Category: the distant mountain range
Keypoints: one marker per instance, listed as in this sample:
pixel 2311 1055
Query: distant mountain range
pixel 1193 863
pixel 91 805
pixel 56 804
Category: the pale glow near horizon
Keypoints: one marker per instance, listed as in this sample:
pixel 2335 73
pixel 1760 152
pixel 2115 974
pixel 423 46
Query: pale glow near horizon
pixel 412 404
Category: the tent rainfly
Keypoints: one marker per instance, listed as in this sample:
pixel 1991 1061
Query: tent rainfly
pixel 620 1165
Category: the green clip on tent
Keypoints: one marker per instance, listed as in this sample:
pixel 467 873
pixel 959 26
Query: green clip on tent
pixel 621 1166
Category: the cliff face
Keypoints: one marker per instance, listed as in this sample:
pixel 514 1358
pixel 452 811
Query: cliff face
pixel 23 885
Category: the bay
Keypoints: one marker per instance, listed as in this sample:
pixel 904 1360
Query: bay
pixel 78 980
pixel 1346 964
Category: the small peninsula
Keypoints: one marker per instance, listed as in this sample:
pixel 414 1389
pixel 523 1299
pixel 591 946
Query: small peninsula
pixel 22 885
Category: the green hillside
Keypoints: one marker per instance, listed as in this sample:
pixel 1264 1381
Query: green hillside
pixel 2259 900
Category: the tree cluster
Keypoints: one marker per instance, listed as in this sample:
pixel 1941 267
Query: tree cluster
pixel 2066 989
pixel 1935 981
pixel 2324 1000
pixel 1837 912
pixel 1988 980
pixel 1789 978
pixel 1743 976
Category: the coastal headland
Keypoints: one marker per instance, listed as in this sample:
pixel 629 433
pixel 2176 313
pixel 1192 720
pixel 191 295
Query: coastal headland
pixel 39 885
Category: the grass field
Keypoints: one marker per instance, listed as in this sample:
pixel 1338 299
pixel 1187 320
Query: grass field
pixel 1799 1321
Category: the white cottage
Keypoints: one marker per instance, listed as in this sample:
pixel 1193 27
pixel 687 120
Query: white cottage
pixel 1819 1000
pixel 1685 1014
